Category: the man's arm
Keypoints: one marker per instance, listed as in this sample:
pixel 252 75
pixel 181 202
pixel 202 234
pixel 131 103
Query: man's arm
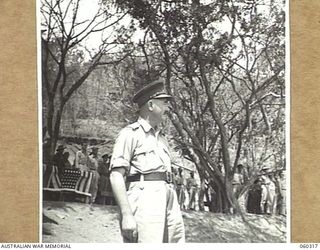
pixel 128 223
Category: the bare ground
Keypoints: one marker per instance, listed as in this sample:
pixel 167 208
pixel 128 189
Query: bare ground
pixel 72 222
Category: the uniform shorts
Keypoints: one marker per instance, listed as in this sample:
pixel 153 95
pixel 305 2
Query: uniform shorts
pixel 157 212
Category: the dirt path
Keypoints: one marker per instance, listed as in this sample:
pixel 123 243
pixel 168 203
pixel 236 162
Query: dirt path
pixel 81 223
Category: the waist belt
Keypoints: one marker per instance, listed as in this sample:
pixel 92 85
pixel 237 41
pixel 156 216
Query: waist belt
pixel 155 176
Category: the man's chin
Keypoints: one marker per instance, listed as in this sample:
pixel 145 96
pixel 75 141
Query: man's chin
pixel 164 117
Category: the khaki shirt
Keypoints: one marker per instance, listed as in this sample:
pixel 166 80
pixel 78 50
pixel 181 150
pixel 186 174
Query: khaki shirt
pixel 141 149
pixel 81 161
pixel 93 163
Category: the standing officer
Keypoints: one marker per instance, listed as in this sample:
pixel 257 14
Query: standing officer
pixel 141 177
pixel 93 168
pixel 192 190
pixel 268 192
pixel 58 159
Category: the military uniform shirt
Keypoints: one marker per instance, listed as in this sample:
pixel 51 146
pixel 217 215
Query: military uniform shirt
pixel 141 149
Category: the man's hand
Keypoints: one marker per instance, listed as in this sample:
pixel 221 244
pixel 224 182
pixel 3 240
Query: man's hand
pixel 128 223
pixel 129 228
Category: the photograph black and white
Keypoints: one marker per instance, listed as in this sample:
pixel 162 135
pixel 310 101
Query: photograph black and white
pixel 163 121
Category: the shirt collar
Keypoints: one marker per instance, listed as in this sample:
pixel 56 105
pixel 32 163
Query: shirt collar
pixel 145 125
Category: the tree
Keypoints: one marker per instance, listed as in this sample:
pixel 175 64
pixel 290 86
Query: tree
pixel 224 63
pixel 75 41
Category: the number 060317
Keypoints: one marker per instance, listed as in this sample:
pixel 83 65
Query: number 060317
pixel 310 245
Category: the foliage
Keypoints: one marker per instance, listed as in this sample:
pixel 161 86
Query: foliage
pixel 68 59
pixel 224 63
pixel 222 60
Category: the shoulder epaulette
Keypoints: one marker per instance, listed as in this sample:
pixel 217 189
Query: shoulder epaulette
pixel 162 133
pixel 134 125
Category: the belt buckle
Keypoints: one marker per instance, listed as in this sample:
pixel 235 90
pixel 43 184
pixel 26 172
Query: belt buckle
pixel 169 177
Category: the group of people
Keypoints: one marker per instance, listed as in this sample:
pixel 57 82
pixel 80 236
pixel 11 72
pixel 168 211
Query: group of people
pixel 187 190
pixel 267 195
pixel 100 188
pixel 270 190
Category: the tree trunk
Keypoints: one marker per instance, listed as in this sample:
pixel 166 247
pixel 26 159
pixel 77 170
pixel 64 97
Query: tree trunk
pixel 54 121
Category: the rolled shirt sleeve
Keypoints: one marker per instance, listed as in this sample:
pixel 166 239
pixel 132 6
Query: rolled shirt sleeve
pixel 123 150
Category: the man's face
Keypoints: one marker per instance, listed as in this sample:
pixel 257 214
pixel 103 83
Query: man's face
pixel 160 107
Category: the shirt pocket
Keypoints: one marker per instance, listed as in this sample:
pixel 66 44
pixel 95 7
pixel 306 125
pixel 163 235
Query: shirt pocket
pixel 146 158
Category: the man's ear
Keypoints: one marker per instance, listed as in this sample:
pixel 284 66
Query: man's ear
pixel 150 105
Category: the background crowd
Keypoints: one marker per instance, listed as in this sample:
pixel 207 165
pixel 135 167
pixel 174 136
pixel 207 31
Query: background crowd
pixel 266 194
pixel 87 159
